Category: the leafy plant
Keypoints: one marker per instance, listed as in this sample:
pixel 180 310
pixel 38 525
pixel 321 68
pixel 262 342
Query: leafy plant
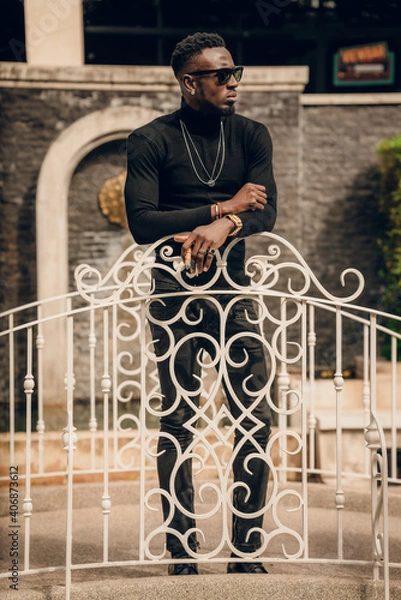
pixel 389 242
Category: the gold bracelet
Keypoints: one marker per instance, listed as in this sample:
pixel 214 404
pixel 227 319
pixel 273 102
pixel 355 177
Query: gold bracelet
pixel 237 222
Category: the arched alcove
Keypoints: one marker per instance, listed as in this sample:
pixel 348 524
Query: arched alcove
pixel 61 160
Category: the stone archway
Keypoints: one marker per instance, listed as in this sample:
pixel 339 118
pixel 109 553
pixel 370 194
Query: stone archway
pixel 56 172
pixel 60 162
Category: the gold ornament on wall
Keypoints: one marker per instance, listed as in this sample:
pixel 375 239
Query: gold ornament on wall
pixel 111 200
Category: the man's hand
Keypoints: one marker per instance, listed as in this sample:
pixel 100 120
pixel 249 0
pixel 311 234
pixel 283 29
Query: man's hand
pixel 198 248
pixel 251 196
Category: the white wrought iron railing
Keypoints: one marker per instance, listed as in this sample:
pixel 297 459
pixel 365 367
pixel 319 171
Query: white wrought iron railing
pixel 110 410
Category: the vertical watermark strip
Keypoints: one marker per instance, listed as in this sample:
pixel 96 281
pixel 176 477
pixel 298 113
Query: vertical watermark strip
pixel 14 527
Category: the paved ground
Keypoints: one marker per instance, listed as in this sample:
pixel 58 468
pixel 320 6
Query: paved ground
pixel 303 581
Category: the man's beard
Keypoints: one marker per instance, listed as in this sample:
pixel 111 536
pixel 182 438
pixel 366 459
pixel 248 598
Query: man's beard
pixel 221 112
pixel 227 112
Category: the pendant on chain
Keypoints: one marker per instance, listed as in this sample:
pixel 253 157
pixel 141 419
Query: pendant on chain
pixel 221 149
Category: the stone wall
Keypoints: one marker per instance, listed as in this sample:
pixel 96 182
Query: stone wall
pixel 339 206
pixel 32 119
pixel 339 199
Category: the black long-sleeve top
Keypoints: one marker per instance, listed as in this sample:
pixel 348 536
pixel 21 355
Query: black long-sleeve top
pixel 163 195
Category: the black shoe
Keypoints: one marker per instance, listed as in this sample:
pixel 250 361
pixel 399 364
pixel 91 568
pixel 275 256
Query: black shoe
pixel 245 567
pixel 183 569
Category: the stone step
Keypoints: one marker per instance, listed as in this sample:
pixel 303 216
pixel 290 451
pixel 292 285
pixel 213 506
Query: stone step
pixel 219 587
pixel 301 579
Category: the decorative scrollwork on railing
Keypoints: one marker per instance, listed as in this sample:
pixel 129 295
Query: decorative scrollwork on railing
pixel 128 423
pixel 267 270
pixel 375 441
pixel 131 275
pixel 215 394
pixel 232 436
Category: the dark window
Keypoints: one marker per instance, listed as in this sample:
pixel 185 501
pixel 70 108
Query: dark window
pixel 12 31
pixel 271 32
pixel 261 32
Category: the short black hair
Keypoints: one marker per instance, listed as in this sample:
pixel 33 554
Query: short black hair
pixel 191 46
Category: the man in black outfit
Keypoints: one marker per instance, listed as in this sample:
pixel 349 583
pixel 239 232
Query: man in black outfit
pixel 204 175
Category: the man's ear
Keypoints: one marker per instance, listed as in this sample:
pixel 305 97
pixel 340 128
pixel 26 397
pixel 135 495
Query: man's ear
pixel 188 84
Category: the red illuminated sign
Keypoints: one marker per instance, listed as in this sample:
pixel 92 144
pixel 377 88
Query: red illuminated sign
pixel 371 64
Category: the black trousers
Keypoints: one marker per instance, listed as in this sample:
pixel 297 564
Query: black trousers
pixel 179 368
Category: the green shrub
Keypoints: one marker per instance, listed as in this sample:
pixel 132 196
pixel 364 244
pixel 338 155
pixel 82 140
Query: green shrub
pixel 389 240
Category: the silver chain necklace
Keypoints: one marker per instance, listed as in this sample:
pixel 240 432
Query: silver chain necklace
pixel 221 149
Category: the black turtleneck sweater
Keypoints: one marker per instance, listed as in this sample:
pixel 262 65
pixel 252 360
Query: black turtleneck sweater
pixel 163 194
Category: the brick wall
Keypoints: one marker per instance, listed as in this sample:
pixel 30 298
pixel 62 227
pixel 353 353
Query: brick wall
pixel 339 206
pixel 32 119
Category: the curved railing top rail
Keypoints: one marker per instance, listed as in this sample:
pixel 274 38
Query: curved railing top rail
pixel 266 272
pixel 128 280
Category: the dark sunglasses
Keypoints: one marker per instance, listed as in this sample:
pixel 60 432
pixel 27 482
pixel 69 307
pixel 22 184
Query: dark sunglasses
pixel 223 75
